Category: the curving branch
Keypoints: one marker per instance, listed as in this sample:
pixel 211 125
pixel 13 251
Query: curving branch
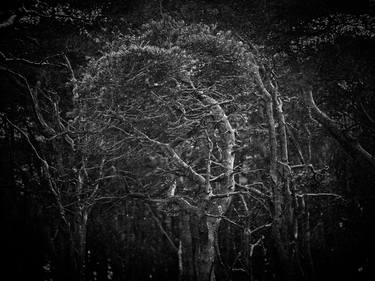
pixel 8 22
pixel 226 130
pixel 161 227
pixel 350 145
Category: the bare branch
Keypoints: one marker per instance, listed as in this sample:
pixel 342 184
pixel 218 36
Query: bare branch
pixel 167 149
pixel 31 63
pixel 248 191
pixel 208 164
pixel 69 66
pixel 226 219
pixel 155 217
pixel 296 144
pixel 260 228
pixel 46 167
pixel 29 142
pixel 351 146
pixel 319 195
pixel 271 122
pixel 25 84
pixel 8 22
pixel 179 200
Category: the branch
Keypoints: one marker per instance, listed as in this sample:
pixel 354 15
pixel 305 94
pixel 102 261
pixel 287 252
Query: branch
pixel 182 202
pixel 226 219
pixel 281 120
pixel 303 166
pixel 155 217
pixel 167 149
pixel 320 194
pixel 97 184
pixel 271 122
pixel 45 167
pixel 248 191
pixel 352 147
pixel 208 164
pixel 69 66
pixel 227 134
pixel 8 22
pixel 25 84
pixel 29 142
pixel 31 63
pixel 296 144
pixel 260 228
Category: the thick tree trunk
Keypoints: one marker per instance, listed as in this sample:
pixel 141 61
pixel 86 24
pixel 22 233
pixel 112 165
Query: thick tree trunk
pixel 207 251
pixel 197 251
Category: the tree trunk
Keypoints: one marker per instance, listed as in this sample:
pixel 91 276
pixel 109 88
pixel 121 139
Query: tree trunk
pixel 282 239
pixel 306 240
pixel 186 252
pixel 283 204
pixel 80 244
pixel 207 250
pixel 197 251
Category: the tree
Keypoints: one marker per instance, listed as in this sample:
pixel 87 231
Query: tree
pixel 169 99
pixel 184 97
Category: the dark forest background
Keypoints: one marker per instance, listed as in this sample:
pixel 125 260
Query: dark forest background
pixel 90 191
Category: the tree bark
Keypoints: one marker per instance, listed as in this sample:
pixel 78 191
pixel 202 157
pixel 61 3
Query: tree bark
pixel 197 251
pixel 207 251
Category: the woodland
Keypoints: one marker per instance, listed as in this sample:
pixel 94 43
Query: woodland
pixel 187 140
